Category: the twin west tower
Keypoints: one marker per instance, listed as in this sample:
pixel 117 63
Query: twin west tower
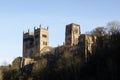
pixel 33 42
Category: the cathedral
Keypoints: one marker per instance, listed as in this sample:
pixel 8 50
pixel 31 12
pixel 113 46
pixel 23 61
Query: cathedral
pixel 37 42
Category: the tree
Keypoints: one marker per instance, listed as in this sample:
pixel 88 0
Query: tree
pixel 99 31
pixel 39 68
pixel 16 64
pixel 113 27
pixel 101 34
pixel 68 66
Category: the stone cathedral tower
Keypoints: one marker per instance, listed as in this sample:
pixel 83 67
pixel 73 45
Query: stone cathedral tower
pixel 33 42
pixel 41 39
pixel 28 44
pixel 72 34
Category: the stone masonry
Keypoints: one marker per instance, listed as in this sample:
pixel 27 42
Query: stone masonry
pixel 33 42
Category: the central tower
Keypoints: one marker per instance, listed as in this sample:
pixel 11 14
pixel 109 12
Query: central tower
pixel 72 34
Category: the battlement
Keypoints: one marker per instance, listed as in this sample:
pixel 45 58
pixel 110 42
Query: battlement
pixel 73 24
pixel 40 28
pixel 28 34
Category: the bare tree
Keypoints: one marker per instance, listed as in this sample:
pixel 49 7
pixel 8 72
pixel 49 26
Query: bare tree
pixel 113 27
pixel 99 31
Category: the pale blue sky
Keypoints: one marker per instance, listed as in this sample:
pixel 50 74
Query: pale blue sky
pixel 19 15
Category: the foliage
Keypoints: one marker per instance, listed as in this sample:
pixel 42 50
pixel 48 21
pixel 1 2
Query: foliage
pixel 113 27
pixel 38 68
pixel 99 31
pixel 11 74
pixel 16 64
